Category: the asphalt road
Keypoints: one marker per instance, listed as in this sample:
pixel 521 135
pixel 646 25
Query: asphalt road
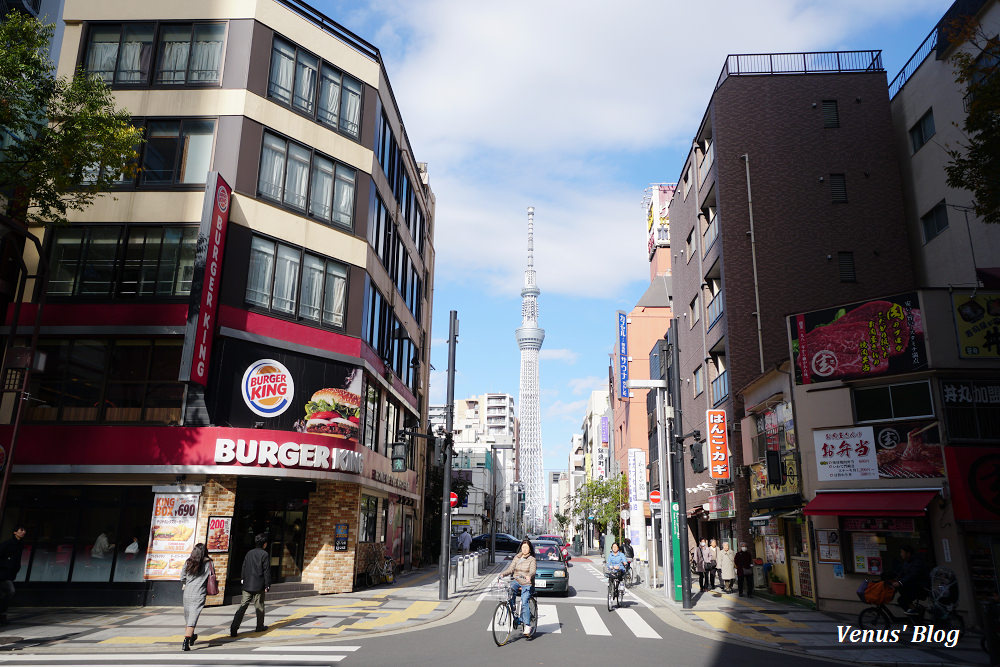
pixel 577 630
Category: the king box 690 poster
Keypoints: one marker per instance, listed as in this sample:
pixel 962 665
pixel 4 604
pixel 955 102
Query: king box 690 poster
pixel 860 340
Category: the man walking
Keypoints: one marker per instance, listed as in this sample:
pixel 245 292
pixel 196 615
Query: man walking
pixel 465 541
pixel 10 565
pixel 256 580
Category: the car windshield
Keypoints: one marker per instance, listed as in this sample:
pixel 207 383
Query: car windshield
pixel 547 550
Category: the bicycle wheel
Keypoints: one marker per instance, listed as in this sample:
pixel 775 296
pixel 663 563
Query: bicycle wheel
pixel 533 608
pixel 874 618
pixel 621 595
pixel 372 574
pixel 612 594
pixel 503 623
pixel 389 571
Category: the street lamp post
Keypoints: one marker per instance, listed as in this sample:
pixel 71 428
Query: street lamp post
pixel 444 565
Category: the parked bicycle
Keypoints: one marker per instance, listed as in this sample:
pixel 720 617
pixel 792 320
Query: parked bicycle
pixel 381 568
pixel 631 575
pixel 616 589
pixel 507 615
pixel 942 612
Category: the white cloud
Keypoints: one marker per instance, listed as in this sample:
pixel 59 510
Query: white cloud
pixel 587 384
pixel 559 354
pixel 566 410
pixel 572 107
pixel 438 392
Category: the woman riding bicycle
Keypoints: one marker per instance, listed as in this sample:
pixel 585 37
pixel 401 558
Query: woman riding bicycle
pixel 616 562
pixel 522 569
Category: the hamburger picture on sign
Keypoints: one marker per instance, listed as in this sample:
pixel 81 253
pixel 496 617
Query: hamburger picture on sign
pixel 334 412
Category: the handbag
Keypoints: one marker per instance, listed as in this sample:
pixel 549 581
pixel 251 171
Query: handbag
pixel 212 587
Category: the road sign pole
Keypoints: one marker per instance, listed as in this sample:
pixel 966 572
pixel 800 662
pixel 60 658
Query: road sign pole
pixel 444 565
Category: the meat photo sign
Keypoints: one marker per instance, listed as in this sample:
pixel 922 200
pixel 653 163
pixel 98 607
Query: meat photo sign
pixel 860 340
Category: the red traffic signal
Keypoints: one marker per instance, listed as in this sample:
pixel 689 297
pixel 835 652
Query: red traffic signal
pixel 654 497
pixel 454 498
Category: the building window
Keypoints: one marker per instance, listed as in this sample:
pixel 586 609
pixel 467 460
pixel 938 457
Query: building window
pixel 177 151
pixel 368 518
pixel 694 309
pixel 190 53
pixel 121 54
pixel 372 402
pixel 90 261
pixel 898 401
pixel 292 175
pixel 838 188
pixel 922 132
pixel 845 262
pixel 935 221
pixel 298 77
pixel 108 381
pixel 689 246
pixel 831 115
pixel 699 380
pixel 286 280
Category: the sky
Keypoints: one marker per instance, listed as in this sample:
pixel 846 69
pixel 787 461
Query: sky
pixel 573 108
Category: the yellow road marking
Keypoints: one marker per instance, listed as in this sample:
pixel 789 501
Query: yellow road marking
pixel 723 622
pixel 782 622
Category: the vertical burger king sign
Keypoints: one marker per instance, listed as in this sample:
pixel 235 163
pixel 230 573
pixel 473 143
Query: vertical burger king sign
pixel 206 281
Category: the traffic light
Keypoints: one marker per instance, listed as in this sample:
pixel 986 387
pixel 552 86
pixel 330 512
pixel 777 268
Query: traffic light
pixel 697 456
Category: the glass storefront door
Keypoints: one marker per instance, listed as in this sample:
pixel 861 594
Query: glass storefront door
pixel 277 509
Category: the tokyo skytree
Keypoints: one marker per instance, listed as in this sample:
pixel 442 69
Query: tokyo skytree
pixel 529 341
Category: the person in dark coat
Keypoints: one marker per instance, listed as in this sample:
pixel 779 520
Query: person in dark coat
pixel 10 565
pixel 913 580
pixel 744 569
pixel 256 580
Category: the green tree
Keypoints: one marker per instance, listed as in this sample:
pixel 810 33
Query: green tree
pixel 601 499
pixel 64 141
pixel 975 165
pixel 563 522
pixel 433 491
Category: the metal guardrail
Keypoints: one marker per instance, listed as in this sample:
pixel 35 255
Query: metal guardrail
pixel 918 57
pixel 818 62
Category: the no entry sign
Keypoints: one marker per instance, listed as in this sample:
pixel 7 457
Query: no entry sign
pixel 654 497
pixel 454 498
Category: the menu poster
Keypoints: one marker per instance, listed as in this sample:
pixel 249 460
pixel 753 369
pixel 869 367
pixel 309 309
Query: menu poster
pixel 171 534
pixel 219 530
pixel 866 551
pixel 774 548
pixel 340 537
pixel 828 542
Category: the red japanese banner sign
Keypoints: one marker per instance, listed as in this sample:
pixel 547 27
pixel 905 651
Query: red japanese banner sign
pixel 718 444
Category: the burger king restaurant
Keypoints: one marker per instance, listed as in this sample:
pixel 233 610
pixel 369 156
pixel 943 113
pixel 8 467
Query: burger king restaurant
pixel 298 451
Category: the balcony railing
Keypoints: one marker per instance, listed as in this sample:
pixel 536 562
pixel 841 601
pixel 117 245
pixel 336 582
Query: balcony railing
pixel 918 57
pixel 800 63
pixel 720 388
pixel 706 164
pixel 711 233
pixel 715 308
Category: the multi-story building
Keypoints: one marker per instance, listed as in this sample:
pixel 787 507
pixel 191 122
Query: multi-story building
pixel 236 335
pixel 786 203
pixel 595 430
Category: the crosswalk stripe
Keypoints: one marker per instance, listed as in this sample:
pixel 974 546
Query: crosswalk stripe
pixel 548 619
pixel 592 623
pixel 149 658
pixel 638 626
pixel 306 649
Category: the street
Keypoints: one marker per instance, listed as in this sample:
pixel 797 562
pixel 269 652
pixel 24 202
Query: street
pixel 577 628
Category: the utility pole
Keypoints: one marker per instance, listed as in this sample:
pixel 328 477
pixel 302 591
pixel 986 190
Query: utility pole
pixel 445 559
pixel 677 464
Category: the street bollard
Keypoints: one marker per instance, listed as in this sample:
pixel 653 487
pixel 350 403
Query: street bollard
pixel 453 576
pixel 469 567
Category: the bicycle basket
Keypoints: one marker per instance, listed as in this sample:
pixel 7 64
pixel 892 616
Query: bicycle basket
pixel 944 586
pixel 879 592
pixel 499 590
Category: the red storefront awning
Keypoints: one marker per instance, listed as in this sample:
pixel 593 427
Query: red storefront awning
pixel 871 503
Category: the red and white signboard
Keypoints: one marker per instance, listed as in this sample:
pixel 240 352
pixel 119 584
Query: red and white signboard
pixel 718 444
pixel 171 534
pixel 845 454
pixel 454 498
pixel 654 497
pixel 207 281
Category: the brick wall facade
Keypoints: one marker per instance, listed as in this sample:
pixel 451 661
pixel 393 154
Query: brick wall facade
pixel 328 570
pixel 218 498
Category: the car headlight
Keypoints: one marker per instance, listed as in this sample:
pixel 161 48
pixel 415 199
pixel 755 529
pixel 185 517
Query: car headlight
pixel 559 573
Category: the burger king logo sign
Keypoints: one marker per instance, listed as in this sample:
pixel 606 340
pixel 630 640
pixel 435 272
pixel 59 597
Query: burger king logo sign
pixel 267 388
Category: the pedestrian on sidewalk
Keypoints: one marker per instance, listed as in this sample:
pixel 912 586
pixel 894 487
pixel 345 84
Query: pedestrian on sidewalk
pixel 10 565
pixel 465 541
pixel 705 565
pixel 256 580
pixel 194 582
pixel 716 574
pixel 743 562
pixel 727 567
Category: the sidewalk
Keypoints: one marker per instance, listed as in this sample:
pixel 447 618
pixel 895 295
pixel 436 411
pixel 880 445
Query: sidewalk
pixel 409 602
pixel 791 628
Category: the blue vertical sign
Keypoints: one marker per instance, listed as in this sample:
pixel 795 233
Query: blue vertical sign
pixel 622 355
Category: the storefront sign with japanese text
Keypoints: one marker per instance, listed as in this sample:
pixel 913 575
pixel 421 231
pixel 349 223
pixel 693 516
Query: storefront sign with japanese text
pixel 977 321
pixel 718 444
pixel 604 429
pixel 722 506
pixel 889 524
pixel 600 462
pixel 622 355
pixel 972 475
pixel 171 534
pixel 340 537
pixel 761 490
pixel 828 542
pixel 845 454
pixel 637 494
pixel 219 531
pixel 860 340
pixel 970 408
pixel 867 553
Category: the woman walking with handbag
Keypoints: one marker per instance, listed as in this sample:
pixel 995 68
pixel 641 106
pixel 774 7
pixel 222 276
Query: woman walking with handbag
pixel 199 581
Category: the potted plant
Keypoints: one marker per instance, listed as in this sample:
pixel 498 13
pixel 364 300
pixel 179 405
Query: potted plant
pixel 777 585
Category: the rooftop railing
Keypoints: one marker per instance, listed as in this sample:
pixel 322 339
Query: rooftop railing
pixel 819 62
pixel 331 27
pixel 918 57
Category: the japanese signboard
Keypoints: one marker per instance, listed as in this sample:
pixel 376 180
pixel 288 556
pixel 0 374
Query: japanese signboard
pixel 718 444
pixel 761 490
pixel 171 534
pixel 604 429
pixel 722 506
pixel 973 474
pixel 207 281
pixel 828 542
pixel 867 553
pixel 969 409
pixel 977 321
pixel 340 536
pixel 845 454
pixel 908 450
pixel 600 463
pixel 860 340
pixel 883 524
pixel 637 494
pixel 622 355
pixel 219 531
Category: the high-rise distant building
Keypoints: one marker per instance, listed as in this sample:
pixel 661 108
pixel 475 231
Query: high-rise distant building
pixel 529 341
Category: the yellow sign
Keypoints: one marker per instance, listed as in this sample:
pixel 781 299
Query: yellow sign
pixel 977 321
pixel 460 522
pixel 760 489
pixel 649 217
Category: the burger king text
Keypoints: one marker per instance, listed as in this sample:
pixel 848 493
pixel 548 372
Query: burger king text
pixel 266 385
pixel 287 455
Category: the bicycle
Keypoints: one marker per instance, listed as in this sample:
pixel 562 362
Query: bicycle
pixel 381 568
pixel 944 597
pixel 507 615
pixel 616 591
